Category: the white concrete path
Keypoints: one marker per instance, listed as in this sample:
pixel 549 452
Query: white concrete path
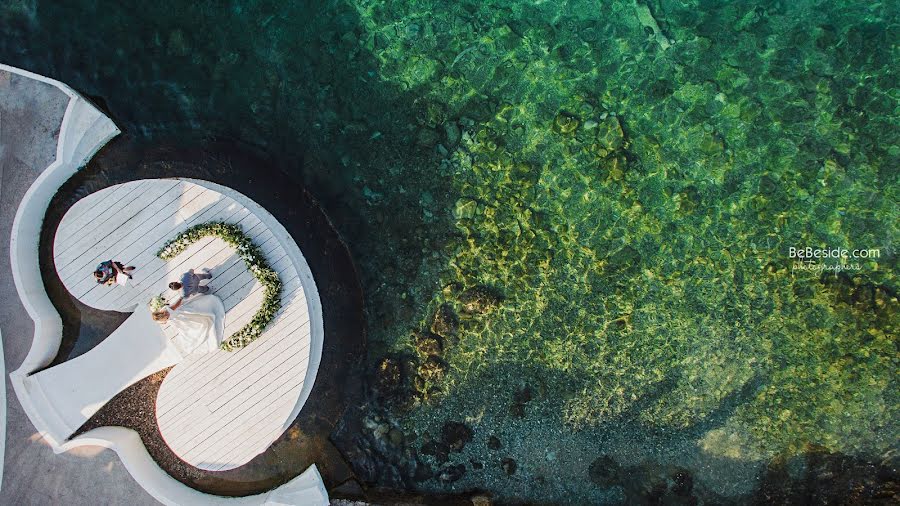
pixel 216 410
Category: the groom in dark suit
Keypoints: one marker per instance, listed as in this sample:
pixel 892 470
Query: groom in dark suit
pixel 189 285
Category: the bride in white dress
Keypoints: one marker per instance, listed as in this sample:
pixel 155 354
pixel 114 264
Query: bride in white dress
pixel 200 321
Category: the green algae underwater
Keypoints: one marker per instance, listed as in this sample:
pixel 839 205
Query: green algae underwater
pixel 572 219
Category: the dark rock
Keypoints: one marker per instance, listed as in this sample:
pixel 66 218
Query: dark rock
pixel 395 437
pixel 451 134
pixel 517 410
pixel 523 395
pixel 432 369
pixel 479 299
pixel 388 377
pixel 455 435
pixel 682 483
pixel 349 488
pixel 445 322
pixel 509 466
pixel 494 443
pixel 428 344
pixel 427 138
pixel 476 465
pixel 419 384
pixel 450 474
pixel 604 471
pixel 422 472
pixel 438 450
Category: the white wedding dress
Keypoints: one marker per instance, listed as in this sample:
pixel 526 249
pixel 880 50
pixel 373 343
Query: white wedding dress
pixel 200 322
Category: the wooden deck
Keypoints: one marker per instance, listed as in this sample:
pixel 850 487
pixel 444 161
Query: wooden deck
pixel 216 410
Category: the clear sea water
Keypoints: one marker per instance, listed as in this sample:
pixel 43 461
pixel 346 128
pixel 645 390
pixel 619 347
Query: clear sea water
pixel 605 194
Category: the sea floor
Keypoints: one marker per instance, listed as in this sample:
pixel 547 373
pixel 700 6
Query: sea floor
pixel 575 223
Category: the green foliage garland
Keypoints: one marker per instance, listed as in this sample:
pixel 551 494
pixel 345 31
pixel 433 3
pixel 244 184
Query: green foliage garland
pixel 256 263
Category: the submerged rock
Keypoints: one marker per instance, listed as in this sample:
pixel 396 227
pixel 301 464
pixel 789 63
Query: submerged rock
pixel 465 209
pixel 432 369
pixel 427 343
pixel 682 483
pixel 450 474
pixel 479 300
pixel 509 466
pixel 445 322
pixel 565 123
pixel 422 472
pixel 610 135
pixel 395 436
pixel 427 138
pixel 389 377
pixel 451 134
pixel 615 167
pixel 523 395
pixel 455 435
pixel 419 383
pixel 494 443
pixel 436 449
pixel 481 500
pixel 626 260
pixel 604 471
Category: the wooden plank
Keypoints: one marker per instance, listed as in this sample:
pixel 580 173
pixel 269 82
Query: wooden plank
pixel 133 233
pixel 242 410
pixel 110 227
pixel 215 374
pixel 253 441
pixel 87 209
pixel 222 365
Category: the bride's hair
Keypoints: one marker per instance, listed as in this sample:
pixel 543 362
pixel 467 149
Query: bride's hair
pixel 160 316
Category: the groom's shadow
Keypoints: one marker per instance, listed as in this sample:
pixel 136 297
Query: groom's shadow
pixel 232 282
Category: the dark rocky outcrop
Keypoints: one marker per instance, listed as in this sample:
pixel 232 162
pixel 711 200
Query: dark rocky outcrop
pixel 604 471
pixel 428 344
pixel 509 466
pixel 445 322
pixel 479 300
pixel 456 435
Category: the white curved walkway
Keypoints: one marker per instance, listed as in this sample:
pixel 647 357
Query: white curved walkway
pixel 218 410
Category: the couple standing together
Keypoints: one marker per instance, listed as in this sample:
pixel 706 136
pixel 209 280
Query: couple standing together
pixel 198 315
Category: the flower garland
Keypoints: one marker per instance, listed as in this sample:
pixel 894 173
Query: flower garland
pixel 234 236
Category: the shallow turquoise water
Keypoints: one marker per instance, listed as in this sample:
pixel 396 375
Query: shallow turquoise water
pixel 629 177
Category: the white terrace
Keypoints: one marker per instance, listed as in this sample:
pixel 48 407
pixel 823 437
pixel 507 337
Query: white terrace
pixel 218 410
